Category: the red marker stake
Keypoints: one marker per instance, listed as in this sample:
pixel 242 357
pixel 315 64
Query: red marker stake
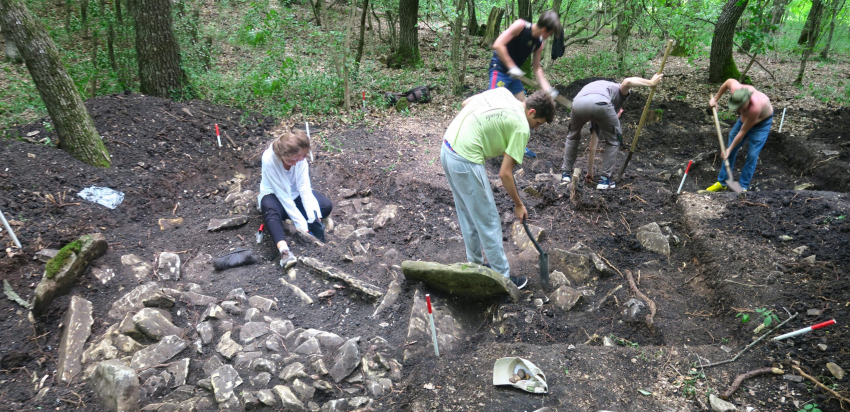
pixel 217 135
pixel 690 162
pixel 364 100
pixel 433 329
pixel 805 330
pixel 260 234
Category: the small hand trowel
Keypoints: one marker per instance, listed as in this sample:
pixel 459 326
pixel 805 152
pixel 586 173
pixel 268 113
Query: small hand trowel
pixel 543 260
pixel 317 228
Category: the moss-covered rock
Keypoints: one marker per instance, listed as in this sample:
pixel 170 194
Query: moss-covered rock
pixel 62 272
pixel 65 256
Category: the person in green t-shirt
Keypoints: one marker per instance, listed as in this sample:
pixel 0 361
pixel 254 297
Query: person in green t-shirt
pixel 492 123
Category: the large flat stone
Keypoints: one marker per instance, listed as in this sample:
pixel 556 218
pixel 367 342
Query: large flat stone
pixel 224 380
pixel 367 289
pixel 346 360
pixel 575 265
pixel 158 353
pixel 133 300
pixel 77 321
pixel 227 223
pixel 463 279
pixel 387 214
pixel 650 237
pixel 521 239
pixel 565 297
pixel 154 324
pixel 65 268
pixel 288 399
pixel 117 386
pixel 449 331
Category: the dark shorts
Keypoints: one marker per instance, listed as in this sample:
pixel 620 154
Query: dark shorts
pixel 500 79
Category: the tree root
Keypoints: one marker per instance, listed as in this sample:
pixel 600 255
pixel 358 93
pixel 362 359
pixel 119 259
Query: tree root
pixel 840 398
pixel 650 319
pixel 740 379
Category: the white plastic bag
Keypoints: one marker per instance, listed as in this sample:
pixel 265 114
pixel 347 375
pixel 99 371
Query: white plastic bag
pixel 103 196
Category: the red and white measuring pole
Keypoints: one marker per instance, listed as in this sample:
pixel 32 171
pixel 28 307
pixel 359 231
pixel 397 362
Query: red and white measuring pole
pixel 217 135
pixel 433 329
pixel 690 162
pixel 805 330
pixel 364 100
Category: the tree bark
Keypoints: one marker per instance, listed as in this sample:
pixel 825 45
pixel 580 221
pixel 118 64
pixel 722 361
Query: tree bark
pixel 457 53
pixel 777 13
pixel 407 54
pixel 472 22
pixel 84 17
pixel 814 18
pixel 824 54
pixel 157 51
pixel 12 53
pixel 494 22
pixel 524 9
pixel 721 64
pixel 547 51
pixel 811 40
pixel 74 127
pixel 362 31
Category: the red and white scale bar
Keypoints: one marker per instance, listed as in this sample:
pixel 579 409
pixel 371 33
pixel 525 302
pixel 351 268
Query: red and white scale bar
pixel 433 329
pixel 805 330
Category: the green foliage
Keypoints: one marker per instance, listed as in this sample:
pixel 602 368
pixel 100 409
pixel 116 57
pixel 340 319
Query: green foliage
pixel 812 407
pixel 56 264
pixel 745 317
pixel 768 317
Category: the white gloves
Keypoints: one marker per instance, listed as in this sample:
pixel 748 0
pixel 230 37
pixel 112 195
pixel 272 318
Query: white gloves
pixel 287 259
pixel 516 72
pixel 312 214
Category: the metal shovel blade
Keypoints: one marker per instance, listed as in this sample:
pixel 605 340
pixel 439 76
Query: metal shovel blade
pixel 735 186
pixel 543 259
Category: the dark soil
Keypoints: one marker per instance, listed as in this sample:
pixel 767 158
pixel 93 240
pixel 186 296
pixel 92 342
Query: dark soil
pixel 166 162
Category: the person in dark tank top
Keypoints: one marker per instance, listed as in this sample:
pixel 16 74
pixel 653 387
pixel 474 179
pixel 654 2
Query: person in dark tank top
pixel 513 47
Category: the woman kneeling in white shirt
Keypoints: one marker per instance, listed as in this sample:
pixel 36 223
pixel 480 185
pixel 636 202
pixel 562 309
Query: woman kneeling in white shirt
pixel 285 191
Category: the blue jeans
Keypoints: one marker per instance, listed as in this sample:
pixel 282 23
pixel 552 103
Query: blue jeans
pixel 756 136
pixel 500 79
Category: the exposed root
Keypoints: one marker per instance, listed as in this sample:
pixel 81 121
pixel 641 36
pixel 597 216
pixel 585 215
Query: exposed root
pixel 841 399
pixel 740 379
pixel 650 319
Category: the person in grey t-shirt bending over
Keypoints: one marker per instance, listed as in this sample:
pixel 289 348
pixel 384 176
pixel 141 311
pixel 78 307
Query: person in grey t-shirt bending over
pixel 601 103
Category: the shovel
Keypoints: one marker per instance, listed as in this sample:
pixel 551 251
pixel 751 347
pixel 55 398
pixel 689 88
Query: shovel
pixel 543 260
pixel 729 182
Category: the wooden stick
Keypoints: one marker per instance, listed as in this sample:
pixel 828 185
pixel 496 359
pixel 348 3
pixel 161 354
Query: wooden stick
pixel 840 398
pixel 740 379
pixel 575 195
pixel 750 345
pixel 652 309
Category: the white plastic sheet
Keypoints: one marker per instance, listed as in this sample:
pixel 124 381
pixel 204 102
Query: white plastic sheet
pixel 103 196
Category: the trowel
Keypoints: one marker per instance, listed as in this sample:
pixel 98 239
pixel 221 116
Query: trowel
pixel 543 260
pixel 317 228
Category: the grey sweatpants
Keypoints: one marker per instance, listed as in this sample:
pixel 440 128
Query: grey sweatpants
pixel 598 110
pixel 479 219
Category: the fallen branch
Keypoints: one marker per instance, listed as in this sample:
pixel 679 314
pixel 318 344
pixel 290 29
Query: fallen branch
pixel 750 345
pixel 754 59
pixel 744 202
pixel 609 264
pixel 740 379
pixel 652 308
pixel 840 398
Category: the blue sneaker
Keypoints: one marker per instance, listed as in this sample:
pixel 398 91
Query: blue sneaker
pixel 529 153
pixel 605 184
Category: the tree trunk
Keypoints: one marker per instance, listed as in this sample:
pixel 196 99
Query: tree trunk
pixel 118 14
pixel 524 9
pixel 472 23
pixel 12 53
pixel 74 127
pixel 721 64
pixel 776 13
pixel 547 51
pixel 494 22
pixel 407 54
pixel 824 54
pixel 625 22
pixel 317 10
pixel 157 51
pixel 815 14
pixel 457 53
pixel 110 47
pixel 811 41
pixel 68 7
pixel 362 31
pixel 346 82
pixel 84 17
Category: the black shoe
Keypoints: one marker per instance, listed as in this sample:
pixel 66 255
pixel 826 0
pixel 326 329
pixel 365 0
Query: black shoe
pixel 486 265
pixel 519 281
